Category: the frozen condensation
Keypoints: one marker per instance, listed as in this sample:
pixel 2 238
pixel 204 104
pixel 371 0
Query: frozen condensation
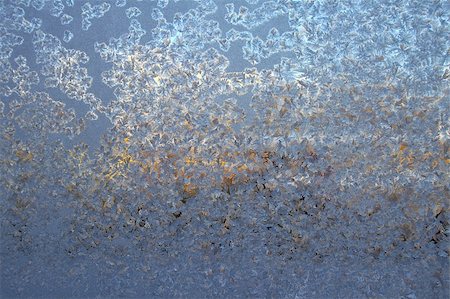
pixel 286 149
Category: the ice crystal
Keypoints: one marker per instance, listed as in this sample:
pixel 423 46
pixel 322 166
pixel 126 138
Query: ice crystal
pixel 196 148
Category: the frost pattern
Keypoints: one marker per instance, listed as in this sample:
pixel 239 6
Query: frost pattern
pixel 197 152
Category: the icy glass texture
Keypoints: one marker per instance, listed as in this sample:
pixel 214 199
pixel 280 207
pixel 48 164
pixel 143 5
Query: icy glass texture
pixel 200 148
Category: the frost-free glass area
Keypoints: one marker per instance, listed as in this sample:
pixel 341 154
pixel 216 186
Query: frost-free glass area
pixel 200 148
